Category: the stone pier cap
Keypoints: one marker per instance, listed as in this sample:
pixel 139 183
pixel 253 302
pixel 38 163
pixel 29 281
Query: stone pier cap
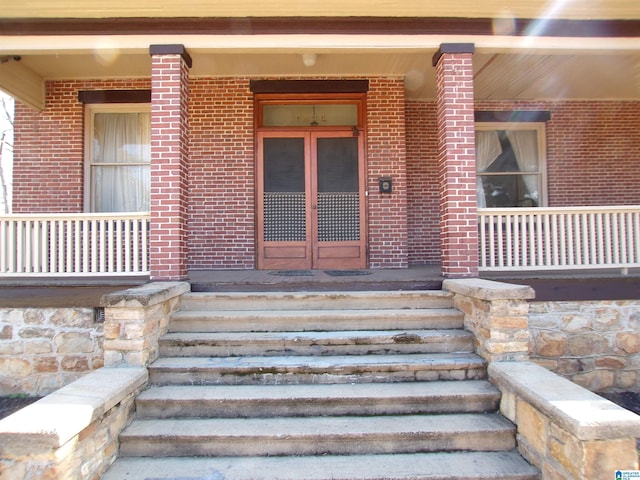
pixel 145 295
pixel 579 411
pixel 488 289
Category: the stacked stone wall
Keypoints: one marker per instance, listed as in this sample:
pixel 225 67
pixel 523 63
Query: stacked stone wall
pixel 595 344
pixel 43 349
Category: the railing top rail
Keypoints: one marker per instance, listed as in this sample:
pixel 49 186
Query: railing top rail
pixel 75 216
pixel 552 210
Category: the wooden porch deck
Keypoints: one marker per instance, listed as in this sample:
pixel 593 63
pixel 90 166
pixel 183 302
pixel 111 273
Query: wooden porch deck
pixel 86 292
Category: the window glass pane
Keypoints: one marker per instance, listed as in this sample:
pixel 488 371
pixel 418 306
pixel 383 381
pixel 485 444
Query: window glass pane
pixel 121 188
pixel 334 115
pixel 121 138
pixel 508 191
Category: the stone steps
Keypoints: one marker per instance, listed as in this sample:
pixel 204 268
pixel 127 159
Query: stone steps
pixel 316 369
pixel 333 385
pixel 334 300
pixel 363 342
pixel 332 435
pixel 314 320
pixel 418 466
pixel 320 399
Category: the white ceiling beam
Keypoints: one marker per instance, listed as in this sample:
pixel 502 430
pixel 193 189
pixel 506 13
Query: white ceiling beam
pixel 22 83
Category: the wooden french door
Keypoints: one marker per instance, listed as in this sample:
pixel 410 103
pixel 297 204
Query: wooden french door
pixel 310 200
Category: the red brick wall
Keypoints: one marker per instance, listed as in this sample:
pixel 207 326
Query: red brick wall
pixel 422 183
pixel 221 175
pixel 386 156
pixel 48 170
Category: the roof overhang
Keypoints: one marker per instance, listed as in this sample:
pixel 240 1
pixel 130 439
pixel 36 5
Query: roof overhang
pixel 514 59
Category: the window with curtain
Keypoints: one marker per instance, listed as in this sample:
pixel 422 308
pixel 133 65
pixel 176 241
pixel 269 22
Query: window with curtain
pixel 119 156
pixel 510 163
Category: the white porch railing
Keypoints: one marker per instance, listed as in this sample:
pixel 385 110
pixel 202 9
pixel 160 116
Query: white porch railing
pixel 74 244
pixel 559 238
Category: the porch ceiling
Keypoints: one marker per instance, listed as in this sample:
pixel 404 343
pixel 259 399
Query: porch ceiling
pixel 499 76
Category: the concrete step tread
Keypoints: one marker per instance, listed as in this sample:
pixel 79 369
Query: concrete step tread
pixel 276 436
pixel 325 300
pixel 336 342
pixel 425 466
pixel 314 320
pixel 318 399
pixel 306 427
pixel 320 363
pixel 319 313
pixel 334 336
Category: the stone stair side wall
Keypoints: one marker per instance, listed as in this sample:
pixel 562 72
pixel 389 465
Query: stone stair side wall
pixel 73 433
pixel 44 349
pixel 564 430
pixel 595 344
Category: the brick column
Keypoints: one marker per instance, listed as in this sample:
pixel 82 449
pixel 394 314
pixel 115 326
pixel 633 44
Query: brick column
pixel 456 160
pixel 169 161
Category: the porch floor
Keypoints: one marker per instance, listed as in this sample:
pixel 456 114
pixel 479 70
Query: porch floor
pixel 86 292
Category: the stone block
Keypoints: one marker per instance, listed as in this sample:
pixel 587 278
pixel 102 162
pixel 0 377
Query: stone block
pixel 532 425
pixel 112 330
pixel 37 332
pixel 595 381
pixel 6 332
pixel 12 348
pixel 610 363
pixel 628 342
pixel 74 363
pixel 566 449
pixel 73 343
pixel 73 317
pixel 515 322
pixel 576 323
pixel 15 367
pixel 587 345
pixel 45 364
pixel 34 316
pixel 37 347
pixel 603 458
pixel 550 344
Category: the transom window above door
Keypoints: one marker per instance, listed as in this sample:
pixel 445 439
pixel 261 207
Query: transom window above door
pixel 310 111
pixel 510 165
pixel 305 115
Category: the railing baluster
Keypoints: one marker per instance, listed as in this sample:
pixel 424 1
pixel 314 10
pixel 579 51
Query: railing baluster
pixel 75 244
pixel 103 248
pixel 553 238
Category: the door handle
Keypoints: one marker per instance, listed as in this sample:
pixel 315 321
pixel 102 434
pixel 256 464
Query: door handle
pixel 314 206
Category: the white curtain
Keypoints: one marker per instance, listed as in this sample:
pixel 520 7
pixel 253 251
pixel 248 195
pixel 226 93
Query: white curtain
pixel 487 150
pixel 121 159
pixel 525 148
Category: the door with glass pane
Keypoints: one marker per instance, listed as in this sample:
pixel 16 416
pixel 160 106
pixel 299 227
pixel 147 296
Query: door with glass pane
pixel 310 200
